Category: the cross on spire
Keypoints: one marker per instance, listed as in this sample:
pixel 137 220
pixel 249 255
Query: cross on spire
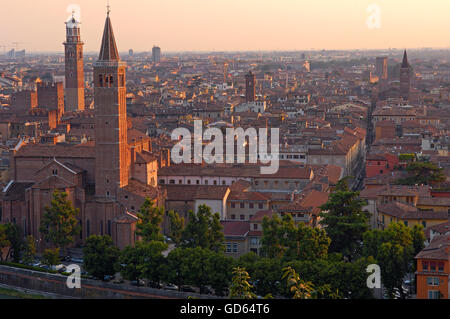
pixel 108 7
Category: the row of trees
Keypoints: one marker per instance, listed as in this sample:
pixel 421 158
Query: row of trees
pixel 332 261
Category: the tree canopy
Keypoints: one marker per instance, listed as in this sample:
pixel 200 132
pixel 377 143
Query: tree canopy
pixel 59 224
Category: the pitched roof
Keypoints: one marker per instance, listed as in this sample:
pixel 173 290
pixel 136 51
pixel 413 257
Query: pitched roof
pixel 438 249
pixel 235 228
pixel 108 50
pixel 404 211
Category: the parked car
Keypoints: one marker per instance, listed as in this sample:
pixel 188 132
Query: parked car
pixel 153 284
pixel 170 287
pixel 108 278
pixel 135 283
pixel 77 260
pixel 187 289
pixel 58 267
pixel 206 291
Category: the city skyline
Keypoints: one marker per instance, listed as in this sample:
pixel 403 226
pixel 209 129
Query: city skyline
pixel 178 26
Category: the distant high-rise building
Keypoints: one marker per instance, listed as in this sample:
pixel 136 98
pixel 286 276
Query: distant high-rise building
pixel 156 54
pixel 382 68
pixel 13 54
pixel 131 52
pixel 250 87
pixel 74 66
pixel 405 78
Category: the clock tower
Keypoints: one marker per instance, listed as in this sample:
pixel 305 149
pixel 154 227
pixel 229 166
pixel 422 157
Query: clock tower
pixel 74 66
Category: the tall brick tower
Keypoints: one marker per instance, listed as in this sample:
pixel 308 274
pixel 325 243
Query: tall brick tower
pixel 405 78
pixel 111 145
pixel 74 66
pixel 250 85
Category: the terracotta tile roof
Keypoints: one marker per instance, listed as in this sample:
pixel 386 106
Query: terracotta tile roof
pixel 438 249
pixel 434 201
pixel 404 211
pixel 404 190
pixel 141 189
pixel 126 218
pixel 136 136
pixel 192 192
pixel 240 186
pixel 259 216
pixel 16 191
pixel 248 196
pixel 235 228
pixel 145 158
pixel 212 192
pixel 243 171
pixel 59 151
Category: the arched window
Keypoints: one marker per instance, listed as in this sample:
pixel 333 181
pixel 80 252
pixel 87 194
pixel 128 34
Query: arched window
pixel 100 80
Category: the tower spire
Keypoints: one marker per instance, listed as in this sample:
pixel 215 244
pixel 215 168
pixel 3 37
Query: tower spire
pixel 108 8
pixel 108 50
pixel 405 60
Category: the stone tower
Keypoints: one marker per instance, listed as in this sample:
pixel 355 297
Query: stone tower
pixel 405 78
pixel 111 145
pixel 74 67
pixel 250 85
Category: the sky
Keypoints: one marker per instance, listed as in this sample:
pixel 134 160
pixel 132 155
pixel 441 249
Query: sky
pixel 231 25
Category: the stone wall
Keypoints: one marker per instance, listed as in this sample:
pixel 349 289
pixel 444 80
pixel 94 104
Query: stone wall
pixel 90 289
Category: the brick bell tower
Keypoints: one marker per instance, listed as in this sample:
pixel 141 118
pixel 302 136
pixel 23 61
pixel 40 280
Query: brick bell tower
pixel 74 66
pixel 111 145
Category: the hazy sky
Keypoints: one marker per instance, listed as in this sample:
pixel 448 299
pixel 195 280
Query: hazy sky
pixel 229 25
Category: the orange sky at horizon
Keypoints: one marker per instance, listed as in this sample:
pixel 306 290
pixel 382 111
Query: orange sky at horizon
pixel 230 25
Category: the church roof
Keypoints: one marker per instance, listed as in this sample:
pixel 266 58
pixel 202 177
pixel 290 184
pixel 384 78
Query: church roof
pixel 108 50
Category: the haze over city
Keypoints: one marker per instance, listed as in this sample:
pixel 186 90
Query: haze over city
pixel 234 25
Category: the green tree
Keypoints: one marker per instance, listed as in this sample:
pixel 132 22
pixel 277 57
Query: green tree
pixel 15 238
pixel 145 260
pixel 203 230
pixel 4 242
pixel 300 288
pixel 29 251
pixel 59 224
pixel 100 256
pixel 282 238
pixel 393 267
pixel 348 278
pixel 423 173
pixel 394 249
pixel 150 220
pixel 177 269
pixel 418 239
pixel 219 269
pixel 154 262
pixel 240 287
pixel 176 227
pixel 50 257
pixel 344 221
